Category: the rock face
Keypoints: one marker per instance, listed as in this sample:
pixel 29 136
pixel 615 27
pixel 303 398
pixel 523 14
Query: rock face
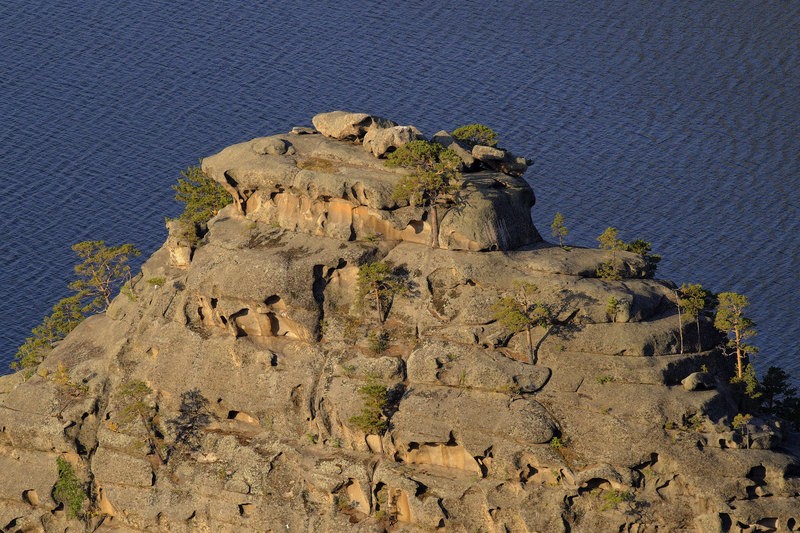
pixel 259 357
pixel 320 186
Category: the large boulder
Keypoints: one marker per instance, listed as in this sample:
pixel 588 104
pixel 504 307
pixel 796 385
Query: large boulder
pixel 381 141
pixel 343 125
pixel 447 140
pixel 500 160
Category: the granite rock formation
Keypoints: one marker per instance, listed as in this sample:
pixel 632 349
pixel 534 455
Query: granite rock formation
pixel 256 350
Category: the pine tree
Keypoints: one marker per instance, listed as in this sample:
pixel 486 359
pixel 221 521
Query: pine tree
pixel 522 313
pixel 103 269
pixel 380 282
pixel 694 300
pixel 433 181
pixel 559 229
pixel 739 329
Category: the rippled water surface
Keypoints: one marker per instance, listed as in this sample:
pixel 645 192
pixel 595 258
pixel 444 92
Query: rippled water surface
pixel 676 122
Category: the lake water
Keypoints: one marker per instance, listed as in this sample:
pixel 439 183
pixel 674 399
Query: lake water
pixel 676 122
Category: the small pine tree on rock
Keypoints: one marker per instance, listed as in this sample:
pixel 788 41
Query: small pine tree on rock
pixel 474 134
pixel 103 270
pixel 522 313
pixel 558 229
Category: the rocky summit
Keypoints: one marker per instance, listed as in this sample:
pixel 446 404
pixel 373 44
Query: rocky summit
pixel 251 381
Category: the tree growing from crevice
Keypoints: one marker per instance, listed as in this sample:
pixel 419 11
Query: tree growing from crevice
pixel 133 400
pixel 65 317
pixel 643 249
pixel 776 388
pixel 375 397
pixel 738 328
pixel 202 198
pixel 103 269
pixel 613 268
pixel 522 312
pixel 380 282
pixel 433 181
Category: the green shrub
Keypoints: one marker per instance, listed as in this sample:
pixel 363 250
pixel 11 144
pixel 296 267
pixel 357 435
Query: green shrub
pixel 473 134
pixel 613 497
pixel 612 306
pixel 68 489
pixel 642 248
pixel 375 398
pixel 613 269
pixel 159 281
pixel 102 269
pixel 66 316
pixel 378 342
pixel 202 198
pixel 556 443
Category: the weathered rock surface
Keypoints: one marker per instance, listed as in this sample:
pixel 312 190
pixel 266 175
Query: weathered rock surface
pixel 381 141
pixel 345 125
pixel 610 430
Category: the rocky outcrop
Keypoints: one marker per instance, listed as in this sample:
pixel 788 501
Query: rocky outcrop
pixel 259 360
pixel 321 186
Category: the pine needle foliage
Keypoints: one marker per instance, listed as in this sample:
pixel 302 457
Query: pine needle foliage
pixel 433 182
pixel 375 399
pixel 695 302
pixel 102 271
pixel 66 315
pixel 522 313
pixel 68 489
pixel 201 195
pixel 202 198
pixel 558 229
pixel 379 282
pixel 134 404
pixel 738 328
pixel 614 269
pixel 474 134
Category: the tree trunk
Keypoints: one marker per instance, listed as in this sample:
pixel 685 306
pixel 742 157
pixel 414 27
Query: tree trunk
pixel 378 305
pixel 151 438
pixel 530 345
pixel 739 355
pixel 699 344
pixel 434 212
pixel 680 319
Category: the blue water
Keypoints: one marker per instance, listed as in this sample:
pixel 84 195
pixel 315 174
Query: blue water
pixel 677 122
